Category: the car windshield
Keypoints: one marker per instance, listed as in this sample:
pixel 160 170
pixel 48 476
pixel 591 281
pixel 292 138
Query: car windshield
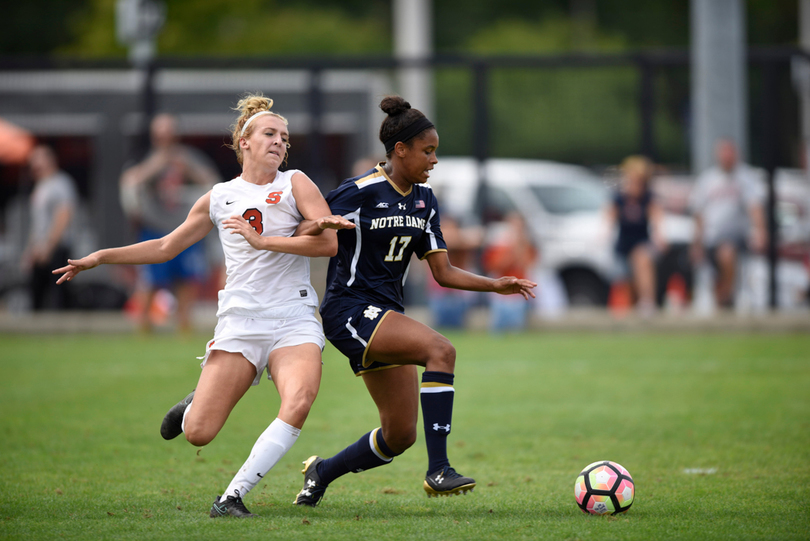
pixel 568 199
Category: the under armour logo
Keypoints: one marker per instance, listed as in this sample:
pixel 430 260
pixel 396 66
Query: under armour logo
pixel 439 478
pixel 310 483
pixel 402 206
pixel 306 492
pixel 372 312
pixel 382 205
pixel 437 426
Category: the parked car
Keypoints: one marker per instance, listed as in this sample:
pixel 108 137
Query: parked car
pixel 563 206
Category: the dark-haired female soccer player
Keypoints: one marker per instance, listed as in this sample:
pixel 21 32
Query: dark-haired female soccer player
pixel 396 215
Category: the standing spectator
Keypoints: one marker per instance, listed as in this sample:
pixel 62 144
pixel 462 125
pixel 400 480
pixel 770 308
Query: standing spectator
pixel 638 218
pixel 729 218
pixel 158 194
pixel 53 205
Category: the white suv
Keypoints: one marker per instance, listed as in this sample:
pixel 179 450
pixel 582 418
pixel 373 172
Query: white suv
pixel 563 206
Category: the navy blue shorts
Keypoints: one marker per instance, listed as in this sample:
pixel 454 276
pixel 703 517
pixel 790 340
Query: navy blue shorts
pixel 349 325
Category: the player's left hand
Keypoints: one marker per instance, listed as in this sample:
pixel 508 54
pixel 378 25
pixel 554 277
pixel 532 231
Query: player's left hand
pixel 240 226
pixel 509 285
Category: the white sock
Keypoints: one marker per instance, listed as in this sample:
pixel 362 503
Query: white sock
pixel 183 424
pixel 267 451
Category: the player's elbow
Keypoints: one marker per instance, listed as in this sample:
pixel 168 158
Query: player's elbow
pixel 167 250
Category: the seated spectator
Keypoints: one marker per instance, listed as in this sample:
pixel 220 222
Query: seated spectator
pixel 509 252
pixel 729 219
pixel 638 218
pixel 448 306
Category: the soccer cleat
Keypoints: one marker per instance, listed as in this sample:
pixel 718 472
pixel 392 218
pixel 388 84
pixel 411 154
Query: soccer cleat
pixel 313 490
pixel 232 506
pixel 172 425
pixel 447 482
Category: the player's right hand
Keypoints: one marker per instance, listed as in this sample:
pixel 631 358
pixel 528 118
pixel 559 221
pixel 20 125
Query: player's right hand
pixel 334 222
pixel 74 267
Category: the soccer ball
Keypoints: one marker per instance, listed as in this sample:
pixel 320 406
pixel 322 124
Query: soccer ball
pixel 604 487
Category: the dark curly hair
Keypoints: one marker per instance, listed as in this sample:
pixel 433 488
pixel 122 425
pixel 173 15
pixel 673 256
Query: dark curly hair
pixel 400 115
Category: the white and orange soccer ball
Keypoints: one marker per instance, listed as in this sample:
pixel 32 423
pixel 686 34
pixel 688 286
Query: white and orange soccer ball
pixel 603 488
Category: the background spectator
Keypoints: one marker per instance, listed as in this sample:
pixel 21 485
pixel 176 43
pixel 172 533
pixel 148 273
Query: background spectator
pixel 448 306
pixel 509 252
pixel 729 218
pixel 637 217
pixel 157 195
pixel 52 206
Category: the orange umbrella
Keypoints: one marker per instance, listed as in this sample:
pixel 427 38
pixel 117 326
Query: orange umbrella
pixel 15 143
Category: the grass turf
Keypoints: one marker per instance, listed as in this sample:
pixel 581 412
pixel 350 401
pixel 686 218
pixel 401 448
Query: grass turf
pixel 82 458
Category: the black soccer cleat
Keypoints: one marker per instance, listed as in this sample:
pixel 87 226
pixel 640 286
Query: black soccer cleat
pixel 447 482
pixel 172 425
pixel 313 490
pixel 232 506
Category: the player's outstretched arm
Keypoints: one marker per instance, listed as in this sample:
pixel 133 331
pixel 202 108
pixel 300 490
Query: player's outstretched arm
pixel 196 226
pixel 447 275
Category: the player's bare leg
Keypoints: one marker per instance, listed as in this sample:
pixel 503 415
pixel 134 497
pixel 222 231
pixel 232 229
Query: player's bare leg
pixel 396 393
pixel 296 372
pixel 224 380
pixel 402 340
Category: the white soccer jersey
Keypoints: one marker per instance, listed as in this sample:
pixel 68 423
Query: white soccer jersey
pixel 261 283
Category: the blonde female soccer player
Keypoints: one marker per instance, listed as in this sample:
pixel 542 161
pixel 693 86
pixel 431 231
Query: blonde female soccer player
pixel 266 313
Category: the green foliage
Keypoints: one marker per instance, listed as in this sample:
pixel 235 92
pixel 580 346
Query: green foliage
pixel 37 27
pixel 547 35
pixel 249 27
pixel 270 27
pixel 82 458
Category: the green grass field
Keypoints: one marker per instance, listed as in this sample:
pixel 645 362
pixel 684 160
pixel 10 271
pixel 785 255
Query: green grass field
pixel 81 457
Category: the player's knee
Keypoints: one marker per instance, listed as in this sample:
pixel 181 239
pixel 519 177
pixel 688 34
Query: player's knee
pixel 442 356
pixel 295 409
pixel 199 435
pixel 401 440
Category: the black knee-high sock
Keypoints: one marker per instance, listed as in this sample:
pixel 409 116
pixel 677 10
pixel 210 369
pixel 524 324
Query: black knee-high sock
pixel 368 452
pixel 437 395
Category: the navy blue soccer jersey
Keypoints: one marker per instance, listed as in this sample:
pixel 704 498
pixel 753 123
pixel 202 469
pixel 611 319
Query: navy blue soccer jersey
pixel 391 225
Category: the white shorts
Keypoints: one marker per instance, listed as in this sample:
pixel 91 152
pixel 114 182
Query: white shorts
pixel 255 339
